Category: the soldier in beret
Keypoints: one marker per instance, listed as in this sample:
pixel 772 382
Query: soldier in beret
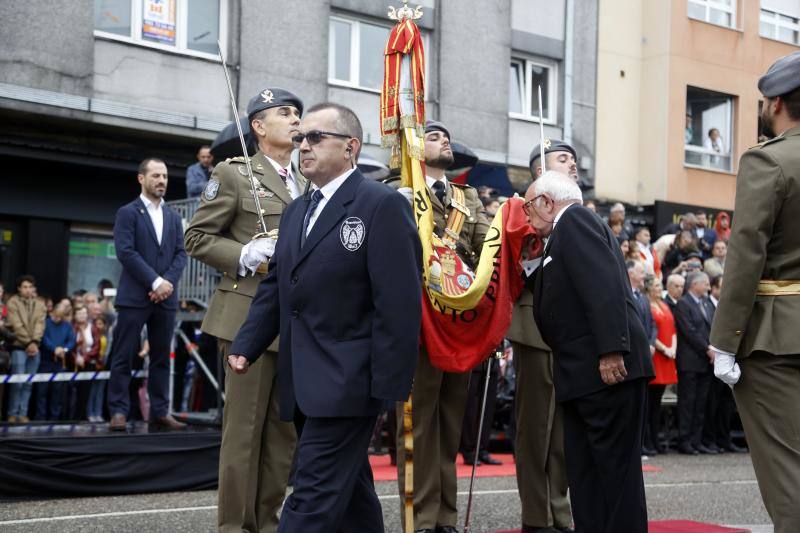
pixel 440 398
pixel 559 156
pixel 539 442
pixel 754 337
pixel 257 448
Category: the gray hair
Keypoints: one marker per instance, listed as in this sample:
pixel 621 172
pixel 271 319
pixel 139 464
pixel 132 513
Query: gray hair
pixel 694 277
pixel 558 186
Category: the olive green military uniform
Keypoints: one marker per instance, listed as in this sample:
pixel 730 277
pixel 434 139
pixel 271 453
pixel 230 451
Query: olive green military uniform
pixel 762 329
pixel 440 397
pixel 539 443
pixel 257 448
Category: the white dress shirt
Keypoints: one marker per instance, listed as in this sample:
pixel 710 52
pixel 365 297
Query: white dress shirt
pixel 430 181
pixel 156 214
pixel 291 181
pixel 328 190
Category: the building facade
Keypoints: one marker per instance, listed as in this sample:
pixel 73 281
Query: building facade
pixel 677 94
pixel 89 93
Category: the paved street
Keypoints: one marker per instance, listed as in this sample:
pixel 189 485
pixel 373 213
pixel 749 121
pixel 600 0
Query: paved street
pixel 717 489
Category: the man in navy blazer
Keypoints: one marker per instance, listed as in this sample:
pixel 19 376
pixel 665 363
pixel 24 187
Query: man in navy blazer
pixel 586 312
pixel 148 236
pixel 344 292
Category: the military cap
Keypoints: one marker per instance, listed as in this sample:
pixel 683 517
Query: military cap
pixel 273 97
pixel 782 77
pixel 433 125
pixel 551 145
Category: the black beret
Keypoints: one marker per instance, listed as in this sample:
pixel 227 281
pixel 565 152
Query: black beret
pixel 554 145
pixel 432 125
pixel 782 77
pixel 273 97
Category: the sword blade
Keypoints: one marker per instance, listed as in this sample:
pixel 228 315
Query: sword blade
pixel 541 130
pixel 253 182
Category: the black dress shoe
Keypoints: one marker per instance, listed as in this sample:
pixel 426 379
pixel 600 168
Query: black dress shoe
pixel 487 459
pixel 565 529
pixel 713 447
pixel 704 450
pixel 735 449
pixel 446 529
pixel 424 531
pixel 470 459
pixel 686 449
pixel 649 451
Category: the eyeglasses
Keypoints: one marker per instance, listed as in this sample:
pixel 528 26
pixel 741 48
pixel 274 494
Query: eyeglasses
pixel 315 137
pixel 526 207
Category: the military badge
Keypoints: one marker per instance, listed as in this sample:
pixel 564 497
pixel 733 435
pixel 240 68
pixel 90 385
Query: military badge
pixel 264 193
pixel 352 233
pixel 211 190
pixel 267 96
pixel 242 170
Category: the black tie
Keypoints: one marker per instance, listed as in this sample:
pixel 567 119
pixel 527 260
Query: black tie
pixel 316 197
pixel 438 190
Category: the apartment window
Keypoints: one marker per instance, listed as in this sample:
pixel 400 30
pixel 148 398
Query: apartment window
pixel 708 130
pixel 355 53
pixel 192 28
pixel 781 26
pixel 525 77
pixel 721 12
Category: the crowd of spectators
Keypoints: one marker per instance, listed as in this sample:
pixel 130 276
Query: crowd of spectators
pixel 43 335
pixel 676 280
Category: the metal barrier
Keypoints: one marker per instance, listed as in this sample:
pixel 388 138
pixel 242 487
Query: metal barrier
pixel 199 280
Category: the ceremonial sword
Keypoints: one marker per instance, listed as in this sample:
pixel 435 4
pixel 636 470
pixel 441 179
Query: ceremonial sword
pixel 253 182
pixel 541 131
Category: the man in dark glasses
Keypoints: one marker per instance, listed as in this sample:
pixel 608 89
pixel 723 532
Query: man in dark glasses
pixel 343 290
pixel 251 486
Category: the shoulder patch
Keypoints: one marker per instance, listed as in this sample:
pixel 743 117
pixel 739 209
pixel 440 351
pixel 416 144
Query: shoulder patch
pixel 211 190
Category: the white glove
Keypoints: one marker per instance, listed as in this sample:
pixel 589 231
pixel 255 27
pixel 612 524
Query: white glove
pixel 726 368
pixel 254 253
pixel 408 192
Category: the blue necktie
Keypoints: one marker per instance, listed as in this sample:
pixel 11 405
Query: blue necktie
pixel 316 198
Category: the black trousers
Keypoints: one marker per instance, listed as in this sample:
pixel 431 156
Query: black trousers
pixel 603 444
pixel 472 413
pixel 692 397
pixel 719 413
pixel 653 420
pixel 127 332
pixel 333 486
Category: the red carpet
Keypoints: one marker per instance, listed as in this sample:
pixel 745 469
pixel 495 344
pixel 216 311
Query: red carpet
pixel 676 526
pixel 382 470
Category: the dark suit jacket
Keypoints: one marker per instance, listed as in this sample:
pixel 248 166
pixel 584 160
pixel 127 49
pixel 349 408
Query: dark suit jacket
pixel 693 331
pixel 584 306
pixel 646 316
pixel 349 321
pixel 142 258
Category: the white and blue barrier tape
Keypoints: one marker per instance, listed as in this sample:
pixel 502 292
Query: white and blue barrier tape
pixel 53 377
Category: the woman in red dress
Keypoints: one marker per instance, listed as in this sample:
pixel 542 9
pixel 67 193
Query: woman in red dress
pixel 663 359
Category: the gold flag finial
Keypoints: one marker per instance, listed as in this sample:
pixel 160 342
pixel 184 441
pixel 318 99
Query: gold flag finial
pixel 405 13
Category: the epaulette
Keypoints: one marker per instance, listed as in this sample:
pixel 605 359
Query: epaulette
pixel 768 141
pixel 237 159
pixel 391 179
pixel 462 185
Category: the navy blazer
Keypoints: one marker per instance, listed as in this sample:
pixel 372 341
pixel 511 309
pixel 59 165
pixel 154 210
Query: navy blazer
pixel 346 304
pixel 584 305
pixel 693 334
pixel 143 260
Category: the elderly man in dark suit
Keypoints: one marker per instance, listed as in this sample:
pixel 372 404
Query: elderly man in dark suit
pixel 693 317
pixel 148 236
pixel 344 291
pixel 585 310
